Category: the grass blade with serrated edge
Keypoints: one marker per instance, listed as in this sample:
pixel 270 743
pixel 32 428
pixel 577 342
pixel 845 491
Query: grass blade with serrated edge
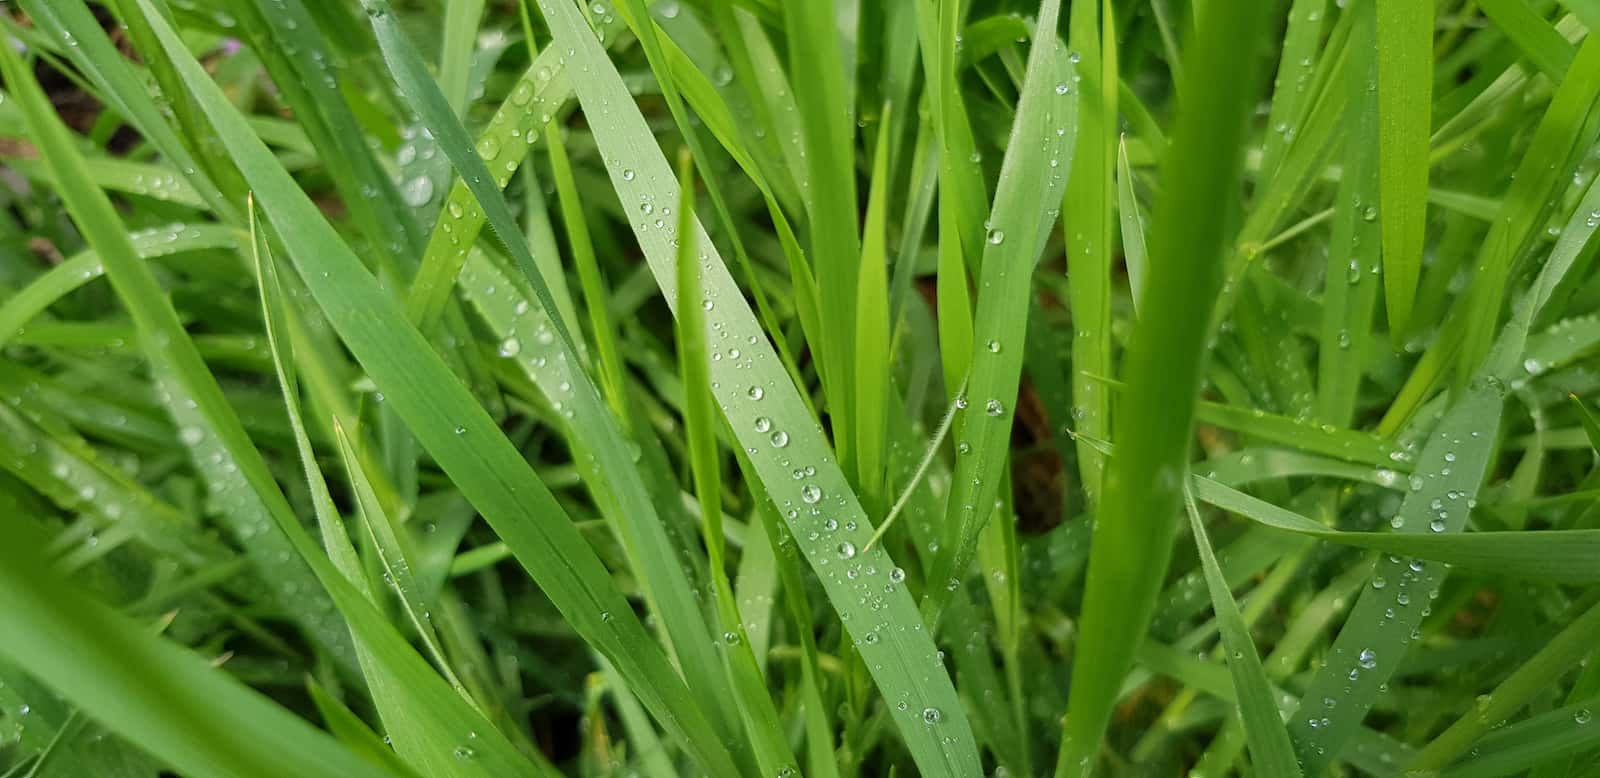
pixel 1025 208
pixel 1270 749
pixel 933 725
pixel 478 457
pixel 1138 518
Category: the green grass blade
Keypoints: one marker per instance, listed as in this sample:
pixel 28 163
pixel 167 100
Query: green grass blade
pixel 195 400
pixel 932 722
pixel 1446 481
pixel 1528 681
pixel 1270 749
pixel 1024 213
pixel 1163 363
pixel 873 358
pixel 457 432
pixel 1405 94
pixel 170 701
pixel 1350 288
pixel 1086 221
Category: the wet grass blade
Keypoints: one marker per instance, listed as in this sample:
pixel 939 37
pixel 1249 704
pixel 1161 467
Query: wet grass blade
pixel 1024 213
pixel 457 431
pixel 168 700
pixel 1138 517
pixel 778 427
pixel 1270 749
pixel 1405 96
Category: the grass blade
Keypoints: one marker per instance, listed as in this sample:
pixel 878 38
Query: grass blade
pixel 1138 512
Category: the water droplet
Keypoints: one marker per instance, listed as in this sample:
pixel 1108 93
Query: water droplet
pixel 931 716
pixel 418 191
pixel 191 435
pixel 847 550
pixel 627 174
pixel 763 424
pixel 897 575
pixel 997 237
pixel 1368 659
pixel 994 347
pixel 993 408
pixel 510 347
pixel 1583 716
pixel 780 439
pixel 756 393
pixel 810 494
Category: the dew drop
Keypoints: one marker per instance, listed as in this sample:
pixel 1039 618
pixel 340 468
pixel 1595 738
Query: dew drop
pixel 1368 659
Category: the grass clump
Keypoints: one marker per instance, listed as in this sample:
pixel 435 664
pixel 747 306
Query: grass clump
pixel 453 387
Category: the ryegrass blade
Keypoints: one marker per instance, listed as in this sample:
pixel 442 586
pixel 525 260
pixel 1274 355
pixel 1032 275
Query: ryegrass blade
pixel 1137 520
pixel 120 86
pixel 1293 86
pixel 419 86
pixel 1444 486
pixel 700 413
pixel 777 427
pixel 1032 178
pixel 168 700
pixel 1591 425
pixel 1270 749
pixel 1131 219
pixel 871 351
pixel 1567 731
pixel 827 126
pixel 434 726
pixel 1086 220
pixel 1536 38
pixel 78 270
pixel 1532 679
pixel 196 402
pixel 1551 555
pixel 455 430
pixel 595 295
pixel 1350 288
pixel 1405 99
pixel 539 92
pixel 1540 175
